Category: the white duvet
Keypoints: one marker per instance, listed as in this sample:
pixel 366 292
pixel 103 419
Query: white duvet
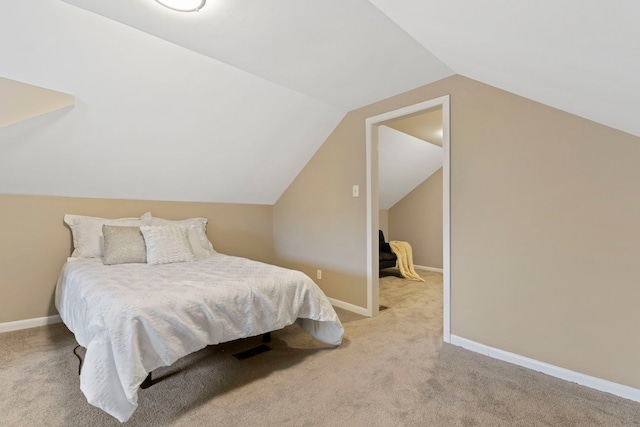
pixel 134 318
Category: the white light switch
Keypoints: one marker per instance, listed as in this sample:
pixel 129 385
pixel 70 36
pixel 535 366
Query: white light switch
pixel 356 191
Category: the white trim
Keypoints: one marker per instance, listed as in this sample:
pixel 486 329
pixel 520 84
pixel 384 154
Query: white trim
pixel 422 267
pixel 350 307
pixel 446 221
pixel 372 208
pixel 372 262
pixel 555 371
pixel 29 323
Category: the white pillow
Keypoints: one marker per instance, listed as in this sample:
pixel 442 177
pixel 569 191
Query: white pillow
pixel 167 243
pixel 88 241
pixel 199 233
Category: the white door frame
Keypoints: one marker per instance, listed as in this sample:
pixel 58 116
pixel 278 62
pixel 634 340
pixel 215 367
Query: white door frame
pixel 371 124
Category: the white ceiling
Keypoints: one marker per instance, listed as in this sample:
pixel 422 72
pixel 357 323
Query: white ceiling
pixel 404 163
pixel 345 53
pixel 237 114
pixel 575 55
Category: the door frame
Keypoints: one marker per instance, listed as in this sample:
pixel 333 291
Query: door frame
pixel 371 128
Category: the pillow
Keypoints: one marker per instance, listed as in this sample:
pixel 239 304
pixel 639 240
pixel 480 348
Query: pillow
pixel 199 233
pixel 194 233
pixel 88 241
pixel 167 243
pixel 123 245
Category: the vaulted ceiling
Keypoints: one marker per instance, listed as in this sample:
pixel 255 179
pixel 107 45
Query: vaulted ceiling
pixel 345 53
pixel 229 103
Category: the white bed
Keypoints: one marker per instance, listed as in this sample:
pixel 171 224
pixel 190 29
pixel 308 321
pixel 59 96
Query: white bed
pixel 134 318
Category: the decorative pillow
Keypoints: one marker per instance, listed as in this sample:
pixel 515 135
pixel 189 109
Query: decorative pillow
pixel 194 233
pixel 167 244
pixel 199 232
pixel 123 245
pixel 88 241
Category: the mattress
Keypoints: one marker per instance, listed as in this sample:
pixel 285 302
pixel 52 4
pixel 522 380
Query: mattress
pixel 134 318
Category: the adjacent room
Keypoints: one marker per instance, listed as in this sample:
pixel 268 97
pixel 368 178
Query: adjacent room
pixel 271 146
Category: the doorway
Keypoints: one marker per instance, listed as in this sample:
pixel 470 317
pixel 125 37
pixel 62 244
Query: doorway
pixel 371 129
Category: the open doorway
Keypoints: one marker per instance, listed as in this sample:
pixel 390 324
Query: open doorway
pixel 373 221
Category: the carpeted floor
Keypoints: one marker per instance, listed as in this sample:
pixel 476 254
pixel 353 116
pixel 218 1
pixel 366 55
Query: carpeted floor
pixel 392 370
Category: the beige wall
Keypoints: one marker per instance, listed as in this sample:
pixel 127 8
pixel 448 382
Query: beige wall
pixel 21 101
pixel 35 241
pixel 544 223
pixel 317 222
pixel 417 219
pixel 383 222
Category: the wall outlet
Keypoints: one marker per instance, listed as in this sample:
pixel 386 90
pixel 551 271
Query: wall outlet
pixel 319 274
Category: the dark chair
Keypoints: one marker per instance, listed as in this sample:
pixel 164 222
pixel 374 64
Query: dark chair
pixel 387 257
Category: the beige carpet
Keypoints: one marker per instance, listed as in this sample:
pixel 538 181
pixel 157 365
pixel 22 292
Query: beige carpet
pixel 391 371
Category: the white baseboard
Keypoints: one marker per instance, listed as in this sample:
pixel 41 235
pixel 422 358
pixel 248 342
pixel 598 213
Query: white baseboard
pixel 29 323
pixel 422 267
pixel 555 371
pixel 350 307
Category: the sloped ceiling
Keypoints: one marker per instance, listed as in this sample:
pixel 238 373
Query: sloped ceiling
pixel 409 152
pixel 405 162
pixel 577 56
pixel 345 53
pixel 237 114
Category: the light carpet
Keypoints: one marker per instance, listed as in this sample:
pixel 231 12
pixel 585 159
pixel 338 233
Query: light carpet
pixel 392 370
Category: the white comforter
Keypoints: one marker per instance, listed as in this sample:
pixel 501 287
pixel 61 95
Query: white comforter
pixel 134 318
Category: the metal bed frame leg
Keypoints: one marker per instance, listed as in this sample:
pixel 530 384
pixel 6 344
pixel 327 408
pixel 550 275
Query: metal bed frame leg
pixel 148 382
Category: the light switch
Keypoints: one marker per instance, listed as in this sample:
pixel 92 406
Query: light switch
pixel 356 191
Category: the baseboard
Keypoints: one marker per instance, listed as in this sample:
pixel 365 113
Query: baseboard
pixel 555 371
pixel 422 267
pixel 29 323
pixel 350 307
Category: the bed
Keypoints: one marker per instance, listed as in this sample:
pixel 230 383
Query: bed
pixel 135 317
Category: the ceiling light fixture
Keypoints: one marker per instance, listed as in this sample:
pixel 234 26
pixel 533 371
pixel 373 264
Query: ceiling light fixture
pixel 183 5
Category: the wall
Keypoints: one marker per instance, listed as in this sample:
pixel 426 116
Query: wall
pixel 21 101
pixel 544 222
pixel 317 222
pixel 35 241
pixel 417 219
pixel 383 222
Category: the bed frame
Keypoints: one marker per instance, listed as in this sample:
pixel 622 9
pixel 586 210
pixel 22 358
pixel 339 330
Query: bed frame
pixel 148 382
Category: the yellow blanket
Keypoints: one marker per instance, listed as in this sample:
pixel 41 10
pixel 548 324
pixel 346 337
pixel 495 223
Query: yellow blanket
pixel 405 260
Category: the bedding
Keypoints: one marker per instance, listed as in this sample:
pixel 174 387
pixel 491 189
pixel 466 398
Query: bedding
pixel 198 226
pixel 134 318
pixel 88 241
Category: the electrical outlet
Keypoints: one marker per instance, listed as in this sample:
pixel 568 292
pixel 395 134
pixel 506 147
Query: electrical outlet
pixel 319 274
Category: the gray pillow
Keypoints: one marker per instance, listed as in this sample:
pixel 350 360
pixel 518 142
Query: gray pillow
pixel 123 245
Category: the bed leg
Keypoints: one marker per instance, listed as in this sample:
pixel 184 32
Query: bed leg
pixel 79 359
pixel 266 337
pixel 148 382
